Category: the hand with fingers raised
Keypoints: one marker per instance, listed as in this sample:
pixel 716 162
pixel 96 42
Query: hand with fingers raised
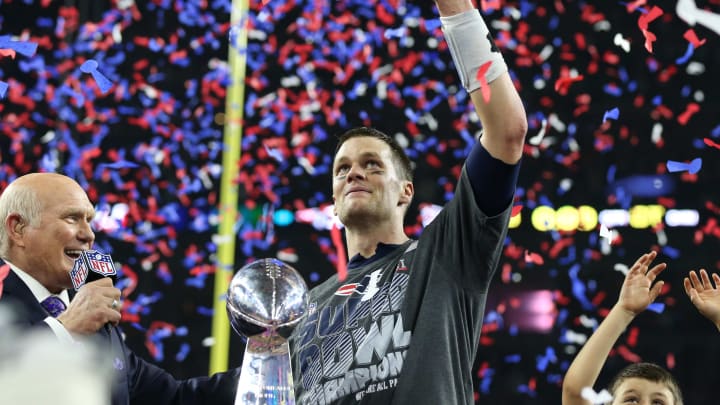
pixel 638 291
pixel 704 295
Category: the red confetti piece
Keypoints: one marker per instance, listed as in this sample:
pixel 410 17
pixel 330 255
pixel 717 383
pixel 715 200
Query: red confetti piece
pixel 506 273
pixel 691 109
pixel 644 21
pixel 628 355
pixel 670 361
pixel 692 37
pixel 4 270
pixel 562 84
pixel 534 258
pixel 633 336
pixel 635 5
pixel 709 142
pixel 484 86
pixel 486 5
pixel 559 246
pixel 516 210
pixel 7 52
pixel 336 236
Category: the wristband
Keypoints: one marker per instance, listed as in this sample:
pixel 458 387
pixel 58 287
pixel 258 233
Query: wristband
pixel 471 46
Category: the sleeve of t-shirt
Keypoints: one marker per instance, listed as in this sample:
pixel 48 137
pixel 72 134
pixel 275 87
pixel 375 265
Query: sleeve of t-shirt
pixel 493 181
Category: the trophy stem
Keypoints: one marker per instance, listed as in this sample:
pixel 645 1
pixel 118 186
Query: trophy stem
pixel 266 374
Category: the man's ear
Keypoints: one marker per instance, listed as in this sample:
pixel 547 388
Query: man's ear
pixel 406 193
pixel 15 227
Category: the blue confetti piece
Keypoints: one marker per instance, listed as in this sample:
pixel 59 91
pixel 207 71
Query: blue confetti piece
pixel 91 66
pixel 671 252
pixel 613 90
pixel 578 288
pixel 432 25
pixel 399 32
pixel 205 311
pixel 657 307
pixel 611 114
pixel 123 164
pixel 544 360
pixel 183 352
pixel 36 64
pixel 3 89
pixel 693 167
pixel 487 380
pixel 22 47
pixel 715 133
pixel 688 54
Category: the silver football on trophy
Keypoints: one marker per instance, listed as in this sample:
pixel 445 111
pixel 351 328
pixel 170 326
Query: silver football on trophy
pixel 266 295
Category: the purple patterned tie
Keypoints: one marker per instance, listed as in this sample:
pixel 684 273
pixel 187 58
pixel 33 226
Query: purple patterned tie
pixel 54 305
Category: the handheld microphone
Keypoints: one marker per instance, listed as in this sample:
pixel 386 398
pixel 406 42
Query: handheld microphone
pixel 90 266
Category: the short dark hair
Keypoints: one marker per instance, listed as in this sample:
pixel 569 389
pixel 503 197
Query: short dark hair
pixel 402 162
pixel 651 372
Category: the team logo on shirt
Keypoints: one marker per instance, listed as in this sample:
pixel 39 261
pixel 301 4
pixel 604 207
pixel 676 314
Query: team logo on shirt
pixel 367 287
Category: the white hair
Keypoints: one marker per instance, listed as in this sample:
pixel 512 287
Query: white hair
pixel 21 200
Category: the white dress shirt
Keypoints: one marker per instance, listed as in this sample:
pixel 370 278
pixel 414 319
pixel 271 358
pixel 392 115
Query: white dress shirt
pixel 40 293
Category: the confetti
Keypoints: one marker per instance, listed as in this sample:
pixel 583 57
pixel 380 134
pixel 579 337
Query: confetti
pixel 693 167
pixel 611 114
pixel 596 398
pixel 688 11
pixel 606 234
pixel 711 143
pixel 534 258
pixel 4 270
pixel 644 21
pixel 484 86
pixel 622 42
pixel 25 48
pixel 91 66
pixel 562 84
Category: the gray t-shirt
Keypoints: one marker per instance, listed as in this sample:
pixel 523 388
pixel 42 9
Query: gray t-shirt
pixel 404 329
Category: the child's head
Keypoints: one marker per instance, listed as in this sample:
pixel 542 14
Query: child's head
pixel 645 380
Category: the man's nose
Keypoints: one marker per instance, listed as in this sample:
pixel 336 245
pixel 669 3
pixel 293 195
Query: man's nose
pixel 86 233
pixel 356 172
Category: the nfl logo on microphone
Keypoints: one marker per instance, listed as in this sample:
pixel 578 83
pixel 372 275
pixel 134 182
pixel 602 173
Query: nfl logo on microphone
pixel 100 263
pixel 91 261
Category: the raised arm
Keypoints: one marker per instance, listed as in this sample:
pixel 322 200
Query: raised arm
pixel 704 295
pixel 503 116
pixel 636 294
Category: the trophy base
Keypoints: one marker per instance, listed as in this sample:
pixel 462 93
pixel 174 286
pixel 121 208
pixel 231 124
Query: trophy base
pixel 266 374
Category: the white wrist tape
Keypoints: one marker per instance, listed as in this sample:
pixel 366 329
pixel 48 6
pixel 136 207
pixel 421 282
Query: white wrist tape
pixel 471 46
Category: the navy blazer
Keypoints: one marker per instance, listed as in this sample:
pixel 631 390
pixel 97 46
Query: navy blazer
pixel 136 381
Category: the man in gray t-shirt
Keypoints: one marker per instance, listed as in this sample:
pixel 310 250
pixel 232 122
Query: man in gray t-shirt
pixel 404 326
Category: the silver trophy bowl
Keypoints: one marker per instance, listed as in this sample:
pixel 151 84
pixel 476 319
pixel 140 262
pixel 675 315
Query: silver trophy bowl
pixel 266 300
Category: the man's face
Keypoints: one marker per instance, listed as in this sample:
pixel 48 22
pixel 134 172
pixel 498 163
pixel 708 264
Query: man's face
pixel 366 185
pixel 52 245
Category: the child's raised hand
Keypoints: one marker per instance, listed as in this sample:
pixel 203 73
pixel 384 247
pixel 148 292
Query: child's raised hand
pixel 638 291
pixel 704 295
